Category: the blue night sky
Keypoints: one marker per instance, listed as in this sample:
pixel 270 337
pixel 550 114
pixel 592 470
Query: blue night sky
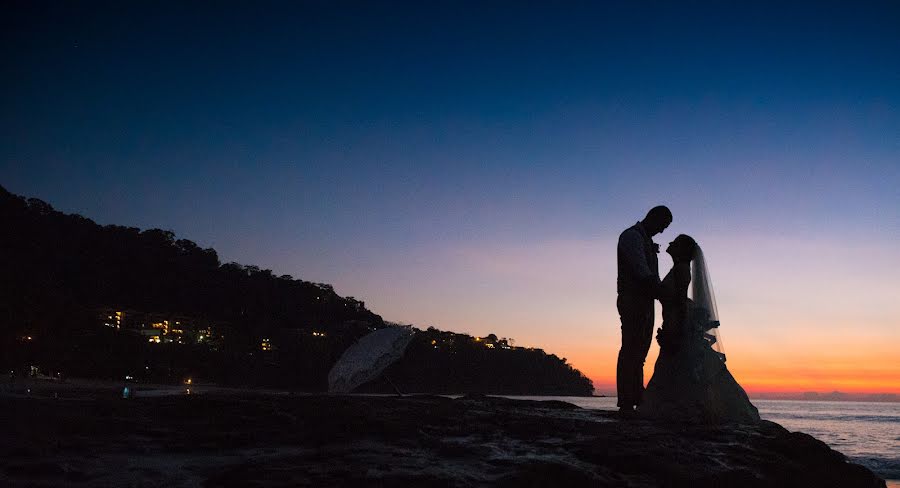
pixel 470 166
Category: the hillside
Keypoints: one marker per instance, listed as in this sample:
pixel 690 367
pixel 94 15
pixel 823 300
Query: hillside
pixel 82 299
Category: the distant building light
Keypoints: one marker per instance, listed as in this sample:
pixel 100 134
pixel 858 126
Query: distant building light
pixel 489 345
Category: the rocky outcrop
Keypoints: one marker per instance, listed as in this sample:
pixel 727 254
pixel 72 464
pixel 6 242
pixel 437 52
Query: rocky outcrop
pixel 318 440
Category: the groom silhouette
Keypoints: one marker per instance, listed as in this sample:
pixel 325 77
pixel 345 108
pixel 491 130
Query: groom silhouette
pixel 637 285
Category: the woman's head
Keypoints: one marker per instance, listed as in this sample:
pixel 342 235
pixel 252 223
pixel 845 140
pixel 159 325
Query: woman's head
pixel 682 248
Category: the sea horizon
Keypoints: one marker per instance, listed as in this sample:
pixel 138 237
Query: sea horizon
pixel 812 396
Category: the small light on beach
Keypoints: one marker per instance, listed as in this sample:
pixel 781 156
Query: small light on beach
pixel 188 381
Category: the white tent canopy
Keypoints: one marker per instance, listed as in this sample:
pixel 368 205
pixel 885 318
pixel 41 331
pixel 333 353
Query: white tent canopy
pixel 368 357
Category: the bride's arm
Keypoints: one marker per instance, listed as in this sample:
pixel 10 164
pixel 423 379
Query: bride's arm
pixel 675 283
pixel 666 288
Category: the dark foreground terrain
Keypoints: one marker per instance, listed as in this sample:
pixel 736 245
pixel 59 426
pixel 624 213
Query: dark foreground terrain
pixel 319 440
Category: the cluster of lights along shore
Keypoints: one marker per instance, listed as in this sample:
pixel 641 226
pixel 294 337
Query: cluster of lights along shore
pixel 185 330
pixel 491 342
pixel 161 328
pixel 171 329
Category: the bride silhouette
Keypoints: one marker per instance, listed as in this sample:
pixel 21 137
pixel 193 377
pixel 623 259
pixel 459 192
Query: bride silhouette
pixel 690 380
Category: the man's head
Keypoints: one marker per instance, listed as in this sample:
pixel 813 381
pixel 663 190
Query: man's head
pixel 657 219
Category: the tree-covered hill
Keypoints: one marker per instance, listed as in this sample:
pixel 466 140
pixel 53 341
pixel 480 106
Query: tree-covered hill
pixel 91 300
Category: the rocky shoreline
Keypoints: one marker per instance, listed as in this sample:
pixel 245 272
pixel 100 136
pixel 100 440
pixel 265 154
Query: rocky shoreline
pixel 221 440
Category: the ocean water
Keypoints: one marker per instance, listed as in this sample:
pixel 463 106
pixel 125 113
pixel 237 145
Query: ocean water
pixel 866 432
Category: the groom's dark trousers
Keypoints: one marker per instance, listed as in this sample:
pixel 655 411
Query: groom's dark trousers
pixel 637 316
pixel 636 283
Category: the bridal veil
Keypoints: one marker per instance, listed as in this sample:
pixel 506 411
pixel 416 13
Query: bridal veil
pixel 703 297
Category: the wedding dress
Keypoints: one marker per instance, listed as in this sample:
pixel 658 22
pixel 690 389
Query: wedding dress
pixel 690 380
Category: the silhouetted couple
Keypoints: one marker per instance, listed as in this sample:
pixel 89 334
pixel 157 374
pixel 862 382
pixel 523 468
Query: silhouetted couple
pixel 690 381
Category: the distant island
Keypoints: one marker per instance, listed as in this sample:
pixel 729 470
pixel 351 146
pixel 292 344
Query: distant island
pixel 81 299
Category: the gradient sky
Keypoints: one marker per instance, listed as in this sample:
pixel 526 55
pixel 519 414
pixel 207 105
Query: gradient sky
pixel 470 167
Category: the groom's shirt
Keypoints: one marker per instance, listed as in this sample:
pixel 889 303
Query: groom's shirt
pixel 637 262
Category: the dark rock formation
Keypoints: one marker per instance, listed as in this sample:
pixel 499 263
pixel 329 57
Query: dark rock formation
pixel 389 441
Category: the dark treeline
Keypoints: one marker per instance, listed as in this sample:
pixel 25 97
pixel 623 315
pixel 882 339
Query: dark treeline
pixel 59 270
